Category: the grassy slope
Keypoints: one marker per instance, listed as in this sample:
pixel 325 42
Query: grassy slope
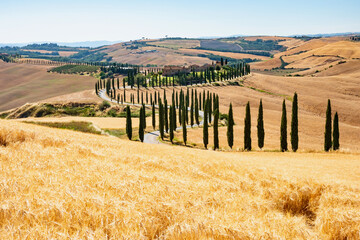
pixel 22 83
pixel 63 184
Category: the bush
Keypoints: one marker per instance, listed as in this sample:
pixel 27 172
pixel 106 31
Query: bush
pixel 223 116
pixel 104 105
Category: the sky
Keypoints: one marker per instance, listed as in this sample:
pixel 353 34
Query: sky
pixel 23 21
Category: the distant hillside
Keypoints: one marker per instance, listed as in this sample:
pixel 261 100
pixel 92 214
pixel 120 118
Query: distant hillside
pixel 274 50
pixel 89 44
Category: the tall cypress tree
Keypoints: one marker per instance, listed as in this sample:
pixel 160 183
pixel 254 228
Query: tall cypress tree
pixel 336 133
pixel 327 142
pixel 230 127
pixel 187 102
pixel 144 116
pixel 172 109
pixel 247 128
pixel 283 129
pixel 153 116
pixel 205 126
pixel 210 107
pixel 260 126
pixel 216 129
pixel 161 119
pixel 192 113
pixel 197 111
pixel 184 125
pixel 294 125
pixel 128 123
pixel 166 116
pixel 141 125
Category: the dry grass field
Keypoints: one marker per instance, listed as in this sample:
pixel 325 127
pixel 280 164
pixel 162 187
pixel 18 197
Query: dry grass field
pixel 224 54
pixel 316 54
pixel 60 184
pixel 22 83
pixel 151 55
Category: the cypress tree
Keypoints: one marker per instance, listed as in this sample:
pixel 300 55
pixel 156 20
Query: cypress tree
pixel 187 102
pixel 184 125
pixel 327 142
pixel 174 118
pixel 153 116
pixel 192 114
pixel 199 100
pixel 197 111
pixel 203 107
pixel 161 119
pixel 336 133
pixel 144 116
pixel 166 116
pixel 216 129
pixel 205 126
pixel 283 129
pixel 247 128
pixel 260 126
pixel 141 125
pixel 210 107
pixel 230 128
pixel 294 125
pixel 128 123
pixel 172 109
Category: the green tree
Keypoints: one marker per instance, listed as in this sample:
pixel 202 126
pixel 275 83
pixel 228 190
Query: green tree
pixel 327 142
pixel 197 120
pixel 336 133
pixel 247 128
pixel 294 124
pixel 192 113
pixel 166 116
pixel 216 129
pixel 144 116
pixel 230 128
pixel 161 119
pixel 184 125
pixel 153 116
pixel 260 126
pixel 128 123
pixel 283 129
pixel 141 125
pixel 205 126
pixel 172 125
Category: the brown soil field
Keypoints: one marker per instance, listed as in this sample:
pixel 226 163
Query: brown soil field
pixel 62 184
pixel 162 56
pixel 22 83
pixel 225 54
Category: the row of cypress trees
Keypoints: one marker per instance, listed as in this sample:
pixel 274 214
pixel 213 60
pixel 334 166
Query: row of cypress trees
pixel 334 141
pixel 167 122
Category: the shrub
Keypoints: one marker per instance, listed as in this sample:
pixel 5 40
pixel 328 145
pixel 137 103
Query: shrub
pixel 104 105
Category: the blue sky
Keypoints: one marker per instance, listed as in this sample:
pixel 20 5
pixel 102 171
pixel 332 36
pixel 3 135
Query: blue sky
pixel 80 20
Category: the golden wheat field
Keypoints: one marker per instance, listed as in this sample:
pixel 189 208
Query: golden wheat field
pixel 60 184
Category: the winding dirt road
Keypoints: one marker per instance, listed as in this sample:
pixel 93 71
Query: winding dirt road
pixel 152 137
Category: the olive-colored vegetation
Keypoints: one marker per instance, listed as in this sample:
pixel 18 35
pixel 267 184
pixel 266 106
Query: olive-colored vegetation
pixel 104 109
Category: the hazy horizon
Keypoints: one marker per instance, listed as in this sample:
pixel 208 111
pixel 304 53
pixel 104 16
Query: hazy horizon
pixel 80 21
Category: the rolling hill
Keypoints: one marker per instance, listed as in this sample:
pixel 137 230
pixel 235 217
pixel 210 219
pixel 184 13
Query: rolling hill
pixel 63 184
pixel 23 83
